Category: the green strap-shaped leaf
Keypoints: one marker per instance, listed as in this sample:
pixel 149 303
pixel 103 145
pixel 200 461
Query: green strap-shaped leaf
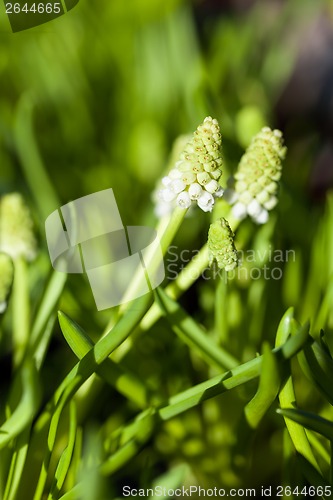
pixel 318 366
pixel 269 385
pixel 125 382
pixel 17 464
pixel 66 456
pixel 26 408
pixel 233 378
pixel 82 371
pixel 191 333
pixel 309 420
pixel 37 342
pixel 287 394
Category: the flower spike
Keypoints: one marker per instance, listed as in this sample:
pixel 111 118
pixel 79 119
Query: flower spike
pixel 253 190
pixel 194 178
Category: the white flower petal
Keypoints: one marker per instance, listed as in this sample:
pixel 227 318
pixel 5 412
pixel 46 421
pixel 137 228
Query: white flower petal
pixel 177 186
pixel 166 181
pixel 239 211
pixel 219 192
pixel 195 191
pixel 262 217
pixel 206 202
pixel 175 174
pixel 184 200
pixel 212 186
pixel 271 203
pixel 167 195
pixel 254 208
pixel 162 209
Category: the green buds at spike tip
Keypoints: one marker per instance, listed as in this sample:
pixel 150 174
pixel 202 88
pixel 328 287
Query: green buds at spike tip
pixel 194 178
pixel 221 247
pixel 253 190
pixel 16 228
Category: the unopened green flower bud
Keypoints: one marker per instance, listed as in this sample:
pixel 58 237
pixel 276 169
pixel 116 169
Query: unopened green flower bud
pixel 255 184
pixel 199 164
pixel 16 228
pixel 6 279
pixel 221 246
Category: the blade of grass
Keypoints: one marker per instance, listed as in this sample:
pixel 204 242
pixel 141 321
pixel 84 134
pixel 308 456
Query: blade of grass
pixel 125 382
pixel 269 385
pixel 233 378
pixel 66 457
pixel 83 370
pixel 17 464
pixel 46 307
pixel 287 395
pixel 27 406
pixel 191 333
pixel 309 420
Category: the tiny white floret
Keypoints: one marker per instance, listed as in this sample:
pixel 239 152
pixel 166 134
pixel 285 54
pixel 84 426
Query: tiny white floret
pixel 206 202
pixel 184 200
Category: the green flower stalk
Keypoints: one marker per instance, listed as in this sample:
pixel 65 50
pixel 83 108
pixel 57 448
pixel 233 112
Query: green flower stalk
pixel 194 178
pixel 221 247
pixel 253 190
pixel 6 279
pixel 16 228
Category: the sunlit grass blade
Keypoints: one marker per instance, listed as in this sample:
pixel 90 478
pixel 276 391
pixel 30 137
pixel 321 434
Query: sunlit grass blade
pixel 229 380
pixel 309 420
pixel 83 370
pixel 122 445
pixel 66 457
pixel 22 415
pixel 268 389
pixel 192 334
pixel 128 441
pixel 318 366
pixel 45 310
pixel 17 464
pixel 125 382
pixel 287 394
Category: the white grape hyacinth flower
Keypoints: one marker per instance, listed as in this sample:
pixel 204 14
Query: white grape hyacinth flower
pixel 194 178
pixel 252 191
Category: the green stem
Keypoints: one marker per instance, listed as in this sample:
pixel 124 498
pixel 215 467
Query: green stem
pixel 21 309
pixel 166 231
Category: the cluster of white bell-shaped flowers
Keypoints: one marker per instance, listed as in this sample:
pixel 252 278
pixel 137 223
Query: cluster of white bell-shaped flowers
pixel 194 178
pixel 253 189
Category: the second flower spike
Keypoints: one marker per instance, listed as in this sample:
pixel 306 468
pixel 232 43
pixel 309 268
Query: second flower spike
pixel 253 190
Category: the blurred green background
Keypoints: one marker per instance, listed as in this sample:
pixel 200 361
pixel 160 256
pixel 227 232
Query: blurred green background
pixel 97 98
